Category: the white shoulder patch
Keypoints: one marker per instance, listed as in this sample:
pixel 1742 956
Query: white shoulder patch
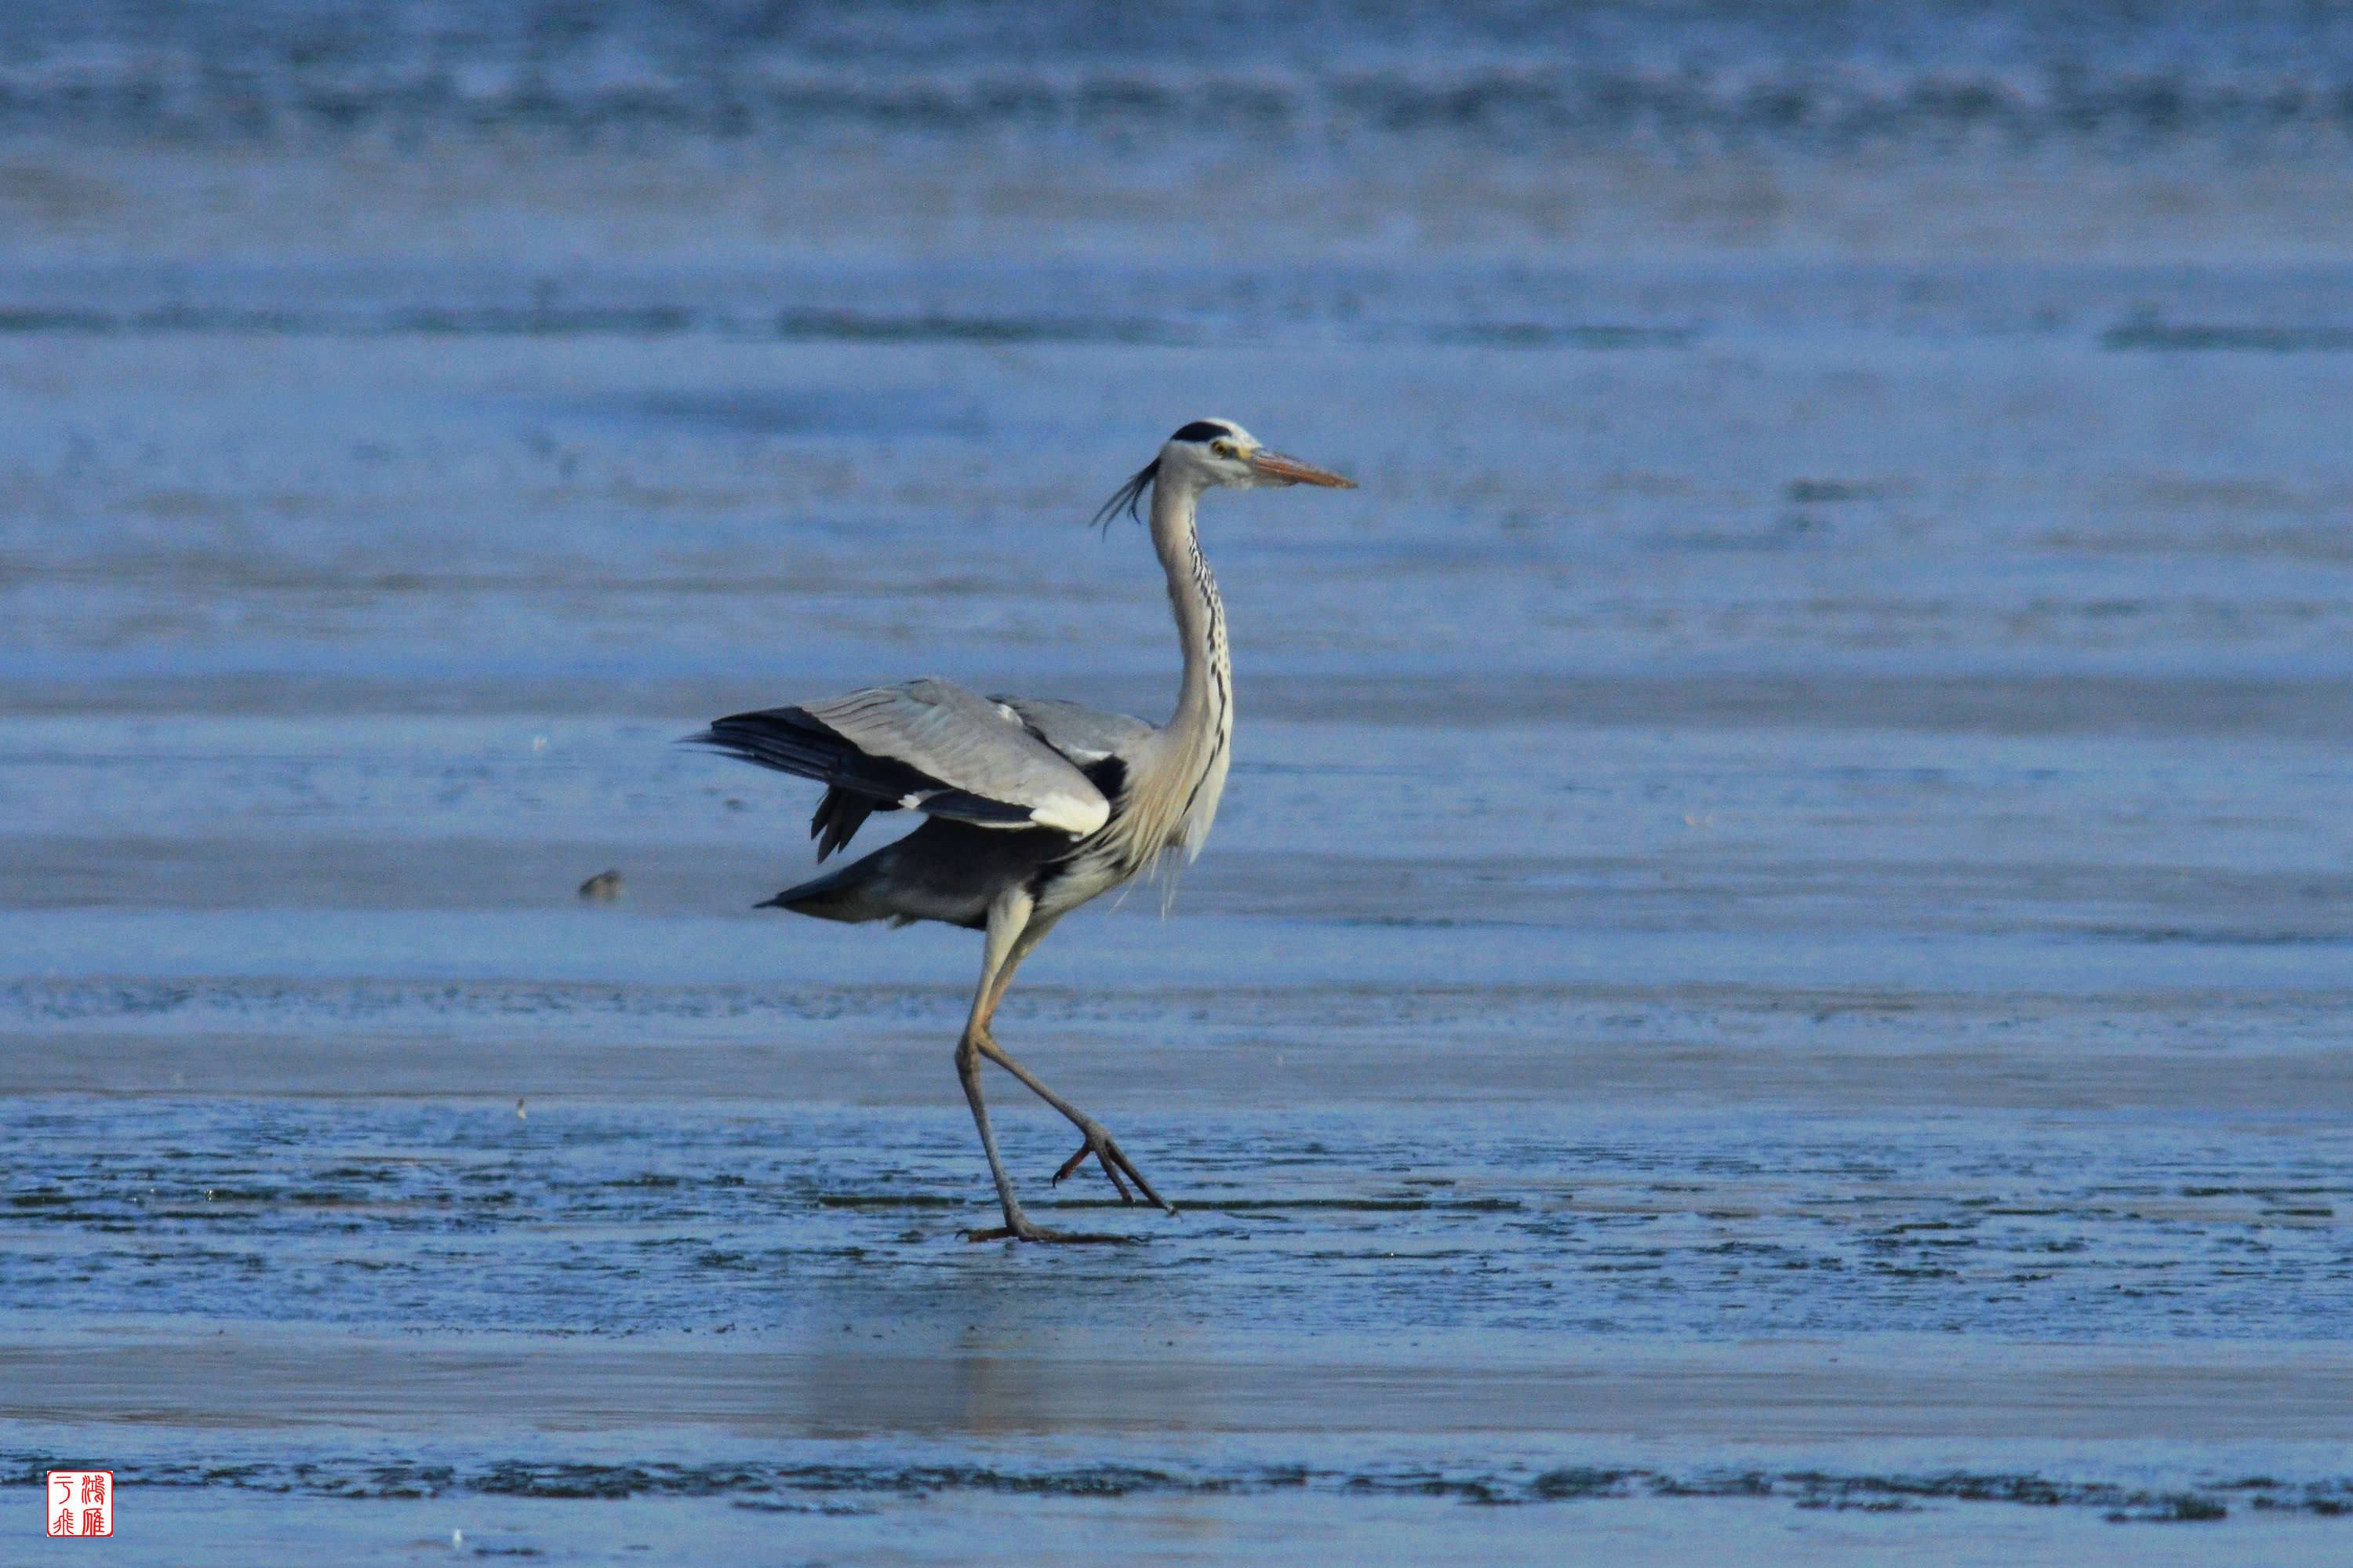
pixel 1072 814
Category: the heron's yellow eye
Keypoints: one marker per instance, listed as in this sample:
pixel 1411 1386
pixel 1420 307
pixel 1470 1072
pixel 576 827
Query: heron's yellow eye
pixel 1223 448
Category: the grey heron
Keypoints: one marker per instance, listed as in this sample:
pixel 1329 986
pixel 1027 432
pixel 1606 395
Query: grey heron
pixel 1035 805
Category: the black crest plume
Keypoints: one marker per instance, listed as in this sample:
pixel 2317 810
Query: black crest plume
pixel 1128 497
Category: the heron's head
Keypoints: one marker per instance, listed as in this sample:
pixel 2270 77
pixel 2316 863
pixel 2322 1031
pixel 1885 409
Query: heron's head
pixel 1210 453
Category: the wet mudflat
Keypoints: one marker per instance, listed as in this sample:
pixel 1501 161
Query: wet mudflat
pixel 1772 980
pixel 1791 1192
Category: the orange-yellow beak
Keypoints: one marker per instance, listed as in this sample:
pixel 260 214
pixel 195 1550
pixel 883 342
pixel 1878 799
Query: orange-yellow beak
pixel 1281 470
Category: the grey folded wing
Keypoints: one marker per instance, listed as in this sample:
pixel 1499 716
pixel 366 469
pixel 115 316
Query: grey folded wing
pixel 927 744
pixel 1085 736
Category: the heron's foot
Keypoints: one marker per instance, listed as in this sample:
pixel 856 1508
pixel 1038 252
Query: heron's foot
pixel 1027 1232
pixel 1100 1147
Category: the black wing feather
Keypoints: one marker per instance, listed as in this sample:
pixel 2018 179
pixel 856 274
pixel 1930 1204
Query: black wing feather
pixel 840 814
pixel 790 741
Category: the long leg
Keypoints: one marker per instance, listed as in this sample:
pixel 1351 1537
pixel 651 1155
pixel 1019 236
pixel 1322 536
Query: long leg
pixel 1098 1142
pixel 1007 917
pixel 1033 933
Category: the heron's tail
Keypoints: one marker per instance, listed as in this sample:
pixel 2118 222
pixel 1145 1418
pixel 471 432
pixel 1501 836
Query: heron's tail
pixel 851 892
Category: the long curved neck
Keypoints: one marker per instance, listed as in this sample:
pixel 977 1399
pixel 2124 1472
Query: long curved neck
pixel 1204 700
pixel 1172 797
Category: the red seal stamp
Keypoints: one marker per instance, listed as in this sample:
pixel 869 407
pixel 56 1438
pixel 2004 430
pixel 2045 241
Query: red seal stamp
pixel 80 1502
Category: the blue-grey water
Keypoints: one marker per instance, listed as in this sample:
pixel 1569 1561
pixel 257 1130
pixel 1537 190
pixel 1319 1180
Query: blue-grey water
pixel 1774 977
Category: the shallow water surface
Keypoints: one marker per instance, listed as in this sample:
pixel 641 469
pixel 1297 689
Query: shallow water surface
pixel 1772 979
